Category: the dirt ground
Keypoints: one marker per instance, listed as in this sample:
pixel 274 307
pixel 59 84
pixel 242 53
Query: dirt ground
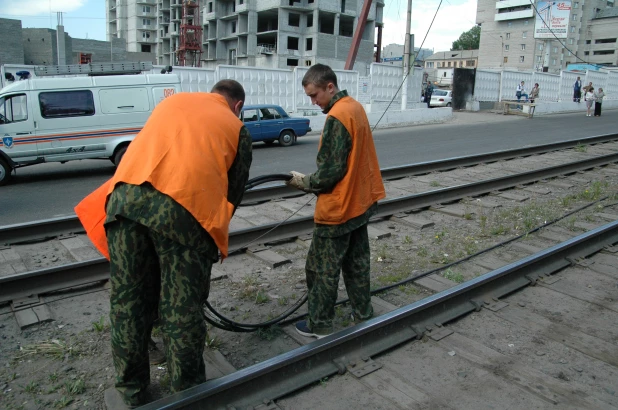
pixel 66 362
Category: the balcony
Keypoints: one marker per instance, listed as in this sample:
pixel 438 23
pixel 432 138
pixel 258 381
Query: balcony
pixel 147 2
pixel 511 3
pixel 513 15
pixel 152 27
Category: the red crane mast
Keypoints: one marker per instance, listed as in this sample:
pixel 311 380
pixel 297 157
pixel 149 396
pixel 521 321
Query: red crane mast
pixel 189 51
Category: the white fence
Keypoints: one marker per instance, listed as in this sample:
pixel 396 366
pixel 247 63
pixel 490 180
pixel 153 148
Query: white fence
pixel 492 85
pixel 284 88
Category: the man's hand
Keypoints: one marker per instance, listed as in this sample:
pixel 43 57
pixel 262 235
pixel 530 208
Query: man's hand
pixel 296 181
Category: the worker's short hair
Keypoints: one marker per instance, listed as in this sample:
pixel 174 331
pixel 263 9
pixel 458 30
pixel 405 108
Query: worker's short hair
pixel 231 89
pixel 320 75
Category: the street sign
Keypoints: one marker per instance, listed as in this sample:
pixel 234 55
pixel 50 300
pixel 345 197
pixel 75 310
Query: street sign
pixel 387 59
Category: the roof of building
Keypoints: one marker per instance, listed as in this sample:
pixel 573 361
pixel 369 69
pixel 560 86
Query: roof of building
pixel 607 13
pixel 453 55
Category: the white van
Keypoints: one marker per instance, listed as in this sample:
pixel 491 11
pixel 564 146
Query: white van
pixel 64 119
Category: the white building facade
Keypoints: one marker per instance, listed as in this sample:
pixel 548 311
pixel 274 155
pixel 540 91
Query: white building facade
pixel 508 36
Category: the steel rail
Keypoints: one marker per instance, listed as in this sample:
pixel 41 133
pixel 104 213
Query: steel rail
pixel 286 373
pixel 23 285
pixel 54 227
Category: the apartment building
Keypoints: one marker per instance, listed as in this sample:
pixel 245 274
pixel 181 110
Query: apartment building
pixel 259 33
pixel 508 35
pixel 393 54
pixel 440 66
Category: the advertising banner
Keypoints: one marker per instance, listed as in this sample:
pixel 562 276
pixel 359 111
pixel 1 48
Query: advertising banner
pixel 552 16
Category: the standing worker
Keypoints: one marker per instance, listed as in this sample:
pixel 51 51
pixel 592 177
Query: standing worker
pixel 168 210
pixel 348 184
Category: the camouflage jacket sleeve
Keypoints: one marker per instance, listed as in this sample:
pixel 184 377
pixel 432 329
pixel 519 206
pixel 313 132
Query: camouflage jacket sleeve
pixel 238 173
pixel 332 157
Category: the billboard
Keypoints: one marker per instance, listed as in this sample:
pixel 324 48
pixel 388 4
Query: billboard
pixel 552 16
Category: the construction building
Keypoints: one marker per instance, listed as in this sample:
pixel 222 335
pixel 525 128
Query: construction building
pixel 509 39
pixel 258 33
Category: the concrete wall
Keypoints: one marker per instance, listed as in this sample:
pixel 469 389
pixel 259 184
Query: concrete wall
pixel 12 49
pixel 39 46
pixel 101 51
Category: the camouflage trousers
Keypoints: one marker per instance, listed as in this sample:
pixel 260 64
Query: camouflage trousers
pixel 348 254
pixel 149 271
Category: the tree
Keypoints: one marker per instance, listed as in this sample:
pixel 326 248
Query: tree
pixel 469 40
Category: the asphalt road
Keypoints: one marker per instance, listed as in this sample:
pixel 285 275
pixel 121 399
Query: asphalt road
pixel 49 190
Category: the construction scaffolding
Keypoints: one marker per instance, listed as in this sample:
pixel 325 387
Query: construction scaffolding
pixel 189 51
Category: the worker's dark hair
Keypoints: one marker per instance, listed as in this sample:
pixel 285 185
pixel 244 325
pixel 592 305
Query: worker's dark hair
pixel 320 75
pixel 230 89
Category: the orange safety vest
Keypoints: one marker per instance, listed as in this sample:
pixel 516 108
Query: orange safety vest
pixel 185 150
pixel 362 184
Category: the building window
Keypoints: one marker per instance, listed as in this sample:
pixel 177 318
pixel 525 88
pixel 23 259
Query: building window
pixel 508 35
pixel 307 63
pixel 524 34
pixel 444 74
pixel 470 63
pixel 292 62
pixel 145 48
pixel 293 44
pixel 605 41
pixel 570 54
pixel 233 27
pixel 449 63
pixel 538 59
pixel 603 52
pixel 523 46
pixel 586 53
pixel 506 47
pixel 145 9
pixel 572 29
pixel 309 44
pixel 576 5
pixel 541 47
pixel 574 17
pixel 294 20
pixel 587 41
pixel 506 59
pixel 145 35
pixel 525 22
pixel 521 59
pixel 146 22
pixel 553 61
pixel 210 7
pixel 570 41
pixel 310 20
pixel 509 24
pixel 241 1
pixel 343 6
pixel 555 50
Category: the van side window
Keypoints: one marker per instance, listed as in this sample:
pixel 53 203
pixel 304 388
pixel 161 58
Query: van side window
pixel 61 104
pixel 13 108
pixel 250 115
pixel 270 114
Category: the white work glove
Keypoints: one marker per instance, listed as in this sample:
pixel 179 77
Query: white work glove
pixel 296 181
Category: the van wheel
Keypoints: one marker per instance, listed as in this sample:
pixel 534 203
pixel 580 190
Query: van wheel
pixel 286 138
pixel 119 154
pixel 5 172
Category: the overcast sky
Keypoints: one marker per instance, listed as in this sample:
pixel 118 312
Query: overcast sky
pixel 86 19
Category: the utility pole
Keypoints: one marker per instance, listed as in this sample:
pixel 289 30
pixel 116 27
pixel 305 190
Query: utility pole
pixel 406 58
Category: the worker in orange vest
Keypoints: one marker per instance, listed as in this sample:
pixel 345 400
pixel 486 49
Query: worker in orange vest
pixel 166 213
pixel 348 183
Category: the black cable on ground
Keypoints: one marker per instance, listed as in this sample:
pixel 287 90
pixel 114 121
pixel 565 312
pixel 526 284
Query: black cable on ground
pixel 228 324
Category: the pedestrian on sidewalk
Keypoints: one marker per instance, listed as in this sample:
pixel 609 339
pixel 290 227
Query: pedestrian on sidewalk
pixel 534 93
pixel 598 100
pixel 521 92
pixel 589 98
pixel 577 90
pixel 348 184
pixel 166 214
pixel 428 93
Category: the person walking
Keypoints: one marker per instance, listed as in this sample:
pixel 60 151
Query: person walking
pixel 534 93
pixel 428 93
pixel 577 90
pixel 589 98
pixel 598 100
pixel 348 184
pixel 165 215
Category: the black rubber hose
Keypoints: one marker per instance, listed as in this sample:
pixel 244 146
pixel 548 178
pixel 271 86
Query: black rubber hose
pixel 230 325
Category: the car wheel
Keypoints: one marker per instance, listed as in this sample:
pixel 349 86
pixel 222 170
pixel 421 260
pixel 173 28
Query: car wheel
pixel 448 104
pixel 5 172
pixel 119 154
pixel 286 138
pixel 269 142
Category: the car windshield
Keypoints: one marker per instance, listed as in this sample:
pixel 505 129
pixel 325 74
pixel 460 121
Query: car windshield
pixel 440 92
